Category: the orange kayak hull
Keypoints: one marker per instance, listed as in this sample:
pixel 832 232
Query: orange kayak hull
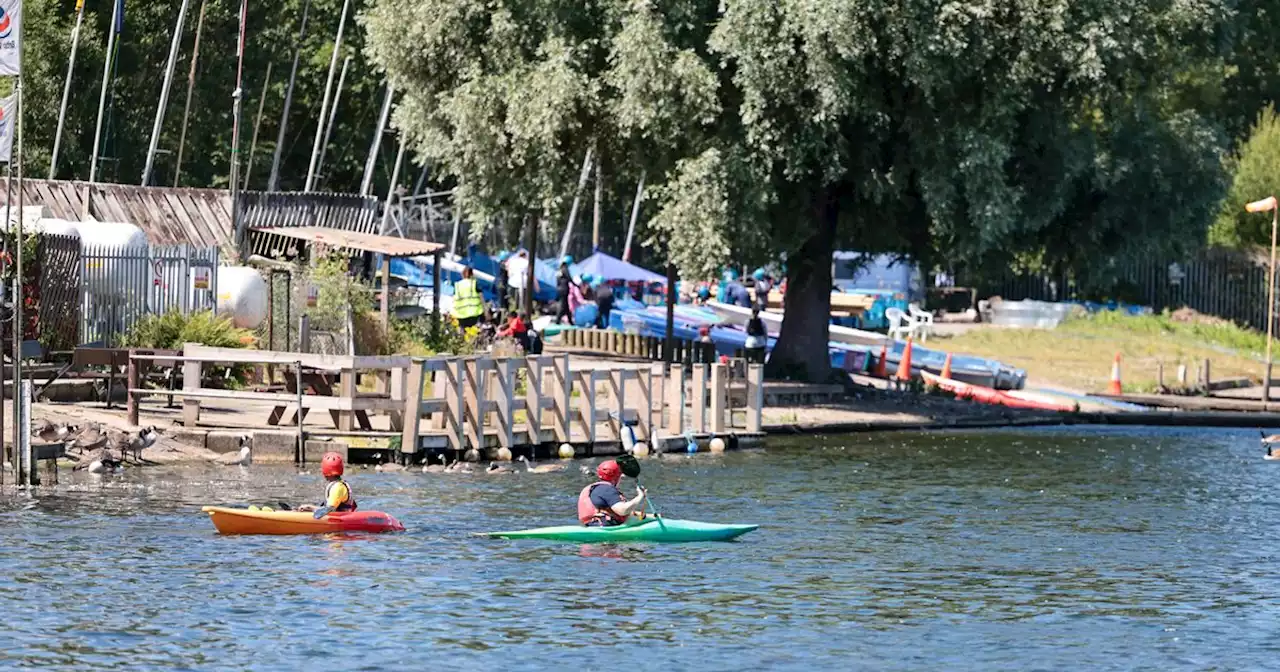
pixel 243 521
pixel 989 395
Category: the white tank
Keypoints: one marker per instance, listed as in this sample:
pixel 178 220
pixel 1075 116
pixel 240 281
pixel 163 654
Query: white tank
pixel 110 276
pixel 242 295
pixel 59 227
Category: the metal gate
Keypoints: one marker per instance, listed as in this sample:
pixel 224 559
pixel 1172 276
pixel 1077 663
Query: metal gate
pixel 121 284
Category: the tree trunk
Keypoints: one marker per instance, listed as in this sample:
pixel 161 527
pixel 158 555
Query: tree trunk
pixel 801 350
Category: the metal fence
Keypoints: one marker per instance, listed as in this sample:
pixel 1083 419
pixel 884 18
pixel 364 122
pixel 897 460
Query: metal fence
pixel 120 285
pixel 1224 284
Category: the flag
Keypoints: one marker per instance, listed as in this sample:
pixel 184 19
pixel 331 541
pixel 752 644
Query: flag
pixel 119 17
pixel 7 107
pixel 10 32
pixel 79 6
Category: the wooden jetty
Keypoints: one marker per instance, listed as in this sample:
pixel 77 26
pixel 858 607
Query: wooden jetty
pixel 481 403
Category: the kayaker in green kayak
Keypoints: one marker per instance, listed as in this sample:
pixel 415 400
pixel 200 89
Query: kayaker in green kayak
pixel 601 504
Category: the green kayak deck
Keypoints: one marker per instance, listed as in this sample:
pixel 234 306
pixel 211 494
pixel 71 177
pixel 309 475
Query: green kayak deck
pixel 659 530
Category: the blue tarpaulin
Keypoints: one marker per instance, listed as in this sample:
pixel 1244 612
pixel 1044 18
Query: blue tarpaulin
pixel 605 267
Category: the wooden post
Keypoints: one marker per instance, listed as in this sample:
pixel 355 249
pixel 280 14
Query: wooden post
pixel 190 383
pixel 533 399
pixel 455 408
pixel 131 383
pixel 385 307
pixel 347 389
pixel 473 393
pixel 506 391
pixel 645 423
pixel 674 385
pixel 304 333
pixel 618 387
pixel 719 378
pixel 1208 379
pixel 1182 375
pixel 699 398
pixel 1160 376
pixel 301 450
pixel 588 408
pixel 410 435
pixel 397 393
pixel 28 469
pixel 672 297
pixel 562 397
pixel 435 290
pixel 755 397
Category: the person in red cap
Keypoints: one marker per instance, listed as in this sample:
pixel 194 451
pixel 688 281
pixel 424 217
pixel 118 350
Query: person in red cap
pixel 337 494
pixel 601 504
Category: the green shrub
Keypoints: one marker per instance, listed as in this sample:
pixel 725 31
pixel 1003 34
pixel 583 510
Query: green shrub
pixel 420 336
pixel 170 330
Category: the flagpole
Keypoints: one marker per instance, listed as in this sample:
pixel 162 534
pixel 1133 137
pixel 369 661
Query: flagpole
pixel 328 93
pixel 102 107
pixel 274 181
pixel 253 144
pixel 66 89
pixel 238 97
pixel 366 183
pixel 333 118
pixel 635 212
pixel 20 425
pixel 164 93
pixel 186 109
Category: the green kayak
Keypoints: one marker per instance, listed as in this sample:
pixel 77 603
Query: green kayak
pixel 659 530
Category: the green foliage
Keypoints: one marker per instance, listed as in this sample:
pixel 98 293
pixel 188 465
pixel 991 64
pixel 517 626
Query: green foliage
pixel 143 51
pixel 1256 175
pixel 171 330
pixel 423 336
pixel 1063 130
pixel 1164 328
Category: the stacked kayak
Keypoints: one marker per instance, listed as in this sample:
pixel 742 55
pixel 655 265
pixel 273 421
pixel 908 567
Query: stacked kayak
pixel 989 395
pixel 657 530
pixel 259 521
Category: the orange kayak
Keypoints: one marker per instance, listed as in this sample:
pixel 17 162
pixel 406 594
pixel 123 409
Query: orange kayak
pixel 245 521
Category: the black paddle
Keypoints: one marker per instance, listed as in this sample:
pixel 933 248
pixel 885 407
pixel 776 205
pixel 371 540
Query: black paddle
pixel 630 466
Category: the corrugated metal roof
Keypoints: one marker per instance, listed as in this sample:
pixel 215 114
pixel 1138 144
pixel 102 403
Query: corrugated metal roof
pixel 391 246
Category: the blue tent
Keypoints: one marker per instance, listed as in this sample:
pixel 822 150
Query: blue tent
pixel 605 267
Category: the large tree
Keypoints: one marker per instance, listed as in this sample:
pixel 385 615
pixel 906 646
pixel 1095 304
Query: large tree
pixel 783 128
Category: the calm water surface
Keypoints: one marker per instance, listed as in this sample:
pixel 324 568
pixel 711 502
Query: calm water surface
pixel 1052 549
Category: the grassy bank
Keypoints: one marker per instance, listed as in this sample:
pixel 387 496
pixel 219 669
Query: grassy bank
pixel 1078 354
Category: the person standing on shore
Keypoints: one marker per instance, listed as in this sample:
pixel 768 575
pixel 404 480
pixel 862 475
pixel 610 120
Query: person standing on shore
pixel 501 283
pixel 763 285
pixel 468 305
pixel 563 281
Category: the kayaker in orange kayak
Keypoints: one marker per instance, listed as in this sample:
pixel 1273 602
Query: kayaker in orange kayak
pixel 337 494
pixel 601 504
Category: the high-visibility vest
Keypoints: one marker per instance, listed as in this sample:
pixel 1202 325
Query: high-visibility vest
pixel 466 299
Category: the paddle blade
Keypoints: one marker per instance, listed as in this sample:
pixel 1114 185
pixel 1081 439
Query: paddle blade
pixel 629 465
pixel 321 512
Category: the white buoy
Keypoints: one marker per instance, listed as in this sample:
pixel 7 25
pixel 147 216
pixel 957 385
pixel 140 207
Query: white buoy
pixel 504 454
pixel 641 449
pixel 717 445
pixel 566 451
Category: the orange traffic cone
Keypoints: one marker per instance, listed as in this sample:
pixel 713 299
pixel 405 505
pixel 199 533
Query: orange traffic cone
pixel 946 367
pixel 904 364
pixel 882 370
pixel 1115 388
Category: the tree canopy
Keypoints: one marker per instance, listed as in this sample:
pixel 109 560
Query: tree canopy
pixel 769 128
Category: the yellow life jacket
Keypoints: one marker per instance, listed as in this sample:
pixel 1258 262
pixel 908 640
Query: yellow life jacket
pixel 466 299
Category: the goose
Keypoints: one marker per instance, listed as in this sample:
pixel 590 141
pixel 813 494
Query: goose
pixel 51 433
pixel 495 468
pixel 143 439
pixel 542 468
pixel 460 467
pixel 1269 442
pixel 90 438
pixel 389 468
pixel 241 458
pixel 104 463
pixel 429 468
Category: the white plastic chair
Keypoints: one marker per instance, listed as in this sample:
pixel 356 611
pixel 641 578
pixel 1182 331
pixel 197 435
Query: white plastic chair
pixel 921 321
pixel 900 326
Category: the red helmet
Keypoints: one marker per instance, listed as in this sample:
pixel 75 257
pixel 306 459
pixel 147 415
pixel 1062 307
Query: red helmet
pixel 331 465
pixel 609 471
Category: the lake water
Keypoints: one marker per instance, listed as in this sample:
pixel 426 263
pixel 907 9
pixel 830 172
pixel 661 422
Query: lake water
pixel 1051 549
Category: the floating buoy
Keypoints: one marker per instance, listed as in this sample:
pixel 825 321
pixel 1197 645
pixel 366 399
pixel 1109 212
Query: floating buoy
pixel 504 454
pixel 472 455
pixel 566 451
pixel 717 445
pixel 691 446
pixel 641 449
